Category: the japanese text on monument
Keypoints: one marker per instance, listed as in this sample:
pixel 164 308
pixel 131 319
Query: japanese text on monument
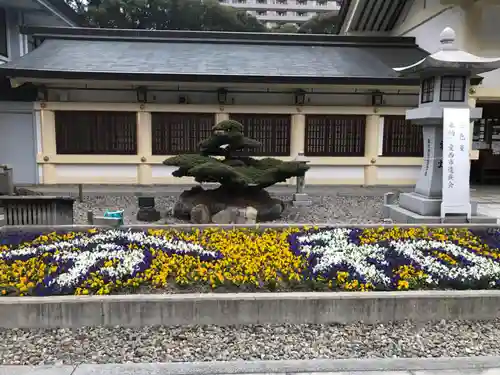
pixel 456 148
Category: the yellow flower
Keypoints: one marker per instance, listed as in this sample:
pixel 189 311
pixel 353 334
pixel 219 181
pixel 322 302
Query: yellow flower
pixel 249 257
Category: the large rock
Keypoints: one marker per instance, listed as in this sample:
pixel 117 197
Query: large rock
pixel 182 210
pixel 235 215
pixel 252 205
pixel 226 216
pixel 271 212
pixel 200 214
pixel 247 216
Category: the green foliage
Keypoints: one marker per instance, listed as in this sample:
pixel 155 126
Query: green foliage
pixel 323 23
pixel 227 138
pixel 287 28
pixel 228 126
pixel 234 170
pixel 207 15
pixel 187 161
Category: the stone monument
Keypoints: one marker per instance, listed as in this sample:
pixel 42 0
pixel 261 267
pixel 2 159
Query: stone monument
pixel 442 192
pixel 147 211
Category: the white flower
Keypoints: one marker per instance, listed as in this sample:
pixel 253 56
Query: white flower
pixel 479 267
pixel 334 249
pixel 87 251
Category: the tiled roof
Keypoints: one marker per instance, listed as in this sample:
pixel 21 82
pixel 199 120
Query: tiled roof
pixel 216 57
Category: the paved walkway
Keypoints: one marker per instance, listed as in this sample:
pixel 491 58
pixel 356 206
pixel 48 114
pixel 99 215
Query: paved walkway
pixel 489 201
pixel 488 197
pixel 173 189
pixel 432 366
pixel 483 193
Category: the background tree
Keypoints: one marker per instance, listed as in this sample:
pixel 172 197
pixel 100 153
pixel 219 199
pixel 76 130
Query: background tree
pixel 288 28
pixel 323 23
pixel 206 15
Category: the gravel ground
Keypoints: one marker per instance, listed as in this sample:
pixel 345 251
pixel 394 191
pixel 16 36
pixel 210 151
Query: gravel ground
pixel 170 344
pixel 324 209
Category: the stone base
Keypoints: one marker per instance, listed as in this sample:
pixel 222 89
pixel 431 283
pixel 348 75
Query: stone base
pixel 400 215
pixel 301 200
pixel 213 201
pixel 148 214
pixel 425 206
pixel 106 221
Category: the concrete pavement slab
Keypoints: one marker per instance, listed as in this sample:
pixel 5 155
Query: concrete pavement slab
pixel 456 372
pixel 380 366
pixel 345 373
pixel 36 370
pixel 161 369
pixel 489 209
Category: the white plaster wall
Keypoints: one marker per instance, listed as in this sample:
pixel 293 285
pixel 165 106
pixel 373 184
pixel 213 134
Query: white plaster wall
pixel 162 171
pixel 318 173
pixel 163 174
pixel 88 173
pixel 427 33
pixel 324 172
pixel 260 98
pixel 488 36
pixel 400 173
pixel 488 29
pixel 433 19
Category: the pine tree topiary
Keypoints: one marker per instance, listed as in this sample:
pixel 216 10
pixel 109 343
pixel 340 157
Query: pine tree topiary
pixel 221 159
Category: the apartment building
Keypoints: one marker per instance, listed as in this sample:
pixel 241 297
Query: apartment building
pixel 274 12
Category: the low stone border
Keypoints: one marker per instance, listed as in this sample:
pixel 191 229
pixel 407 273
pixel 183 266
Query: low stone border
pixel 244 308
pixel 247 308
pixel 384 366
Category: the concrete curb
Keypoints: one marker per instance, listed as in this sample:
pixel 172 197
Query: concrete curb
pixel 267 367
pixel 247 308
pixel 185 227
pixel 315 366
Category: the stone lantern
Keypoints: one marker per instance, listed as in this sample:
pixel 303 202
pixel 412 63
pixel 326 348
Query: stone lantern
pixel 300 198
pixel 442 192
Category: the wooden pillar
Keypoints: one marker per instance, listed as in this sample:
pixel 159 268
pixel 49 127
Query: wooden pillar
pixel 144 148
pixel 298 133
pixel 371 149
pixel 49 150
pixel 221 116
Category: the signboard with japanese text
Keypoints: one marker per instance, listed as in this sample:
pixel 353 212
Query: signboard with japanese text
pixel 456 163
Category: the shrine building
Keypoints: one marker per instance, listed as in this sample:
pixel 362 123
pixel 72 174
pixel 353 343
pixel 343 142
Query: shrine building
pixel 110 105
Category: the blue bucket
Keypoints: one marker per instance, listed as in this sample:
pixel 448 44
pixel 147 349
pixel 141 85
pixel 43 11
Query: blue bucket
pixel 115 215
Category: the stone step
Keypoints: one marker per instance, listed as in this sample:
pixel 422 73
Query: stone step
pixel 400 215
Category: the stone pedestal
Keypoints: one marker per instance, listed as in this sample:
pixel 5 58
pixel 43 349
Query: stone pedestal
pixel 426 199
pixel 147 211
pixel 301 200
pixel 148 214
pixel 424 204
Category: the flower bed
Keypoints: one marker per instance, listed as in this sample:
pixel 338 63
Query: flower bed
pixel 117 261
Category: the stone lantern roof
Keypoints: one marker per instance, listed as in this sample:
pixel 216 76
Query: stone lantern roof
pixel 450 58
